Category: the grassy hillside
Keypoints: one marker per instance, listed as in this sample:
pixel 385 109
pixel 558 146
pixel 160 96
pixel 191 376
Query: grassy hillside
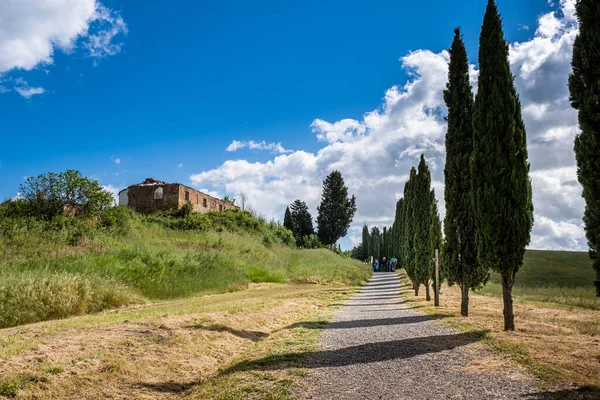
pixel 70 266
pixel 563 277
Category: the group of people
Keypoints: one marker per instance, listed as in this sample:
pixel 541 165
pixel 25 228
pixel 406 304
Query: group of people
pixel 384 265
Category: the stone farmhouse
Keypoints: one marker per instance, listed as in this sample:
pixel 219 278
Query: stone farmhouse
pixel 153 195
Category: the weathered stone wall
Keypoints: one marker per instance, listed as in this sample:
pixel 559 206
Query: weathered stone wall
pixel 142 198
pixel 202 202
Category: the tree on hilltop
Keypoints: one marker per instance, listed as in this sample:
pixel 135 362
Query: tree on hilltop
pixel 336 211
pixel 302 221
pixel 288 222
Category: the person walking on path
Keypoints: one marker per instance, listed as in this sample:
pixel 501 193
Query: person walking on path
pixel 376 265
pixel 384 265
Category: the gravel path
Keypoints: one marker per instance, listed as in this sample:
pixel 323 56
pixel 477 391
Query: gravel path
pixel 378 347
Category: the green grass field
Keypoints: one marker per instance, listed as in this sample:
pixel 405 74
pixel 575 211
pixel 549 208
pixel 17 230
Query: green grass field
pixel 562 277
pixel 69 266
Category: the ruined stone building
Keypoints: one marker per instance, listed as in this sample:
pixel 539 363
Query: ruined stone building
pixel 152 195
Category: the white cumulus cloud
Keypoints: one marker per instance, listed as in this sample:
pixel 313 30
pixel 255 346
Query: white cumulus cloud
pixel 31 31
pixel 375 153
pixel 253 145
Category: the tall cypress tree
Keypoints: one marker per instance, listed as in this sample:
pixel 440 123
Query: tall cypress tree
pixel 460 251
pixel 366 250
pixel 435 238
pixel 423 227
pixel 584 85
pixel 336 209
pixel 398 231
pixel 288 222
pixel 375 242
pixel 303 225
pixel 408 228
pixel 501 187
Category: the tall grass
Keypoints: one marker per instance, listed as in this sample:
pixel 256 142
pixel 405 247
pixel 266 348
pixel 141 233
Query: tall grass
pixel 70 266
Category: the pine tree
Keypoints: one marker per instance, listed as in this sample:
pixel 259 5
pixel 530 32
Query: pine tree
pixel 584 85
pixel 366 242
pixel 460 252
pixel 288 222
pixel 302 220
pixel 408 228
pixel 336 209
pixel 501 187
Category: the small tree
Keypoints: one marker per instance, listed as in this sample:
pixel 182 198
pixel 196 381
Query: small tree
pixel 502 203
pixel 336 210
pixel 244 204
pixel 584 85
pixel 302 221
pixel 51 194
pixel 460 252
pixel 288 222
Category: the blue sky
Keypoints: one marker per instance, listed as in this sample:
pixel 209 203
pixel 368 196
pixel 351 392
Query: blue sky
pixel 172 86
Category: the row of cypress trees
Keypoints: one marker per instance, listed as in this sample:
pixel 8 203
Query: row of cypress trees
pixel 489 209
pixel 420 227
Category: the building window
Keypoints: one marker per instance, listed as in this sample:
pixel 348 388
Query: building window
pixel 220 207
pixel 158 194
pixel 197 198
pixel 204 203
pixel 187 196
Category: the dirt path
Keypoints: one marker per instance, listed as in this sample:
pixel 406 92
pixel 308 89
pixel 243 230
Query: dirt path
pixel 378 347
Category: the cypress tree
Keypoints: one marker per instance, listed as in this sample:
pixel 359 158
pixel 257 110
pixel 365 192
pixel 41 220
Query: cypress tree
pixel 384 243
pixel 501 188
pixel 460 252
pixel 375 242
pixel 423 227
pixel 398 231
pixel 366 251
pixel 288 222
pixel 336 210
pixel 584 85
pixel 408 228
pixel 435 238
pixel 302 220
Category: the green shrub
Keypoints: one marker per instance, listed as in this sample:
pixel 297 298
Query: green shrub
pixel 120 217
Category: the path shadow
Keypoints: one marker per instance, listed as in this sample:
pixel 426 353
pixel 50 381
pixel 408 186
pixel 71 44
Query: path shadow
pixel 365 353
pixel 255 336
pixel 582 393
pixel 362 354
pixel 381 297
pixel 369 305
pixel 367 323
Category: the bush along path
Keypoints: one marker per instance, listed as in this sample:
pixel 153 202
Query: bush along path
pixel 378 347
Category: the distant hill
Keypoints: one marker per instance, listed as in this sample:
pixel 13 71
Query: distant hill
pixel 543 268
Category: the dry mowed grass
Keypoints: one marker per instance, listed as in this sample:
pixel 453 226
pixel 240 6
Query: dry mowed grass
pixel 559 344
pixel 173 349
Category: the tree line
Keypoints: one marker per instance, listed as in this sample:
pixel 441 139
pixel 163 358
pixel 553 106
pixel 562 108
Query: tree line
pixel 489 208
pixel 334 216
